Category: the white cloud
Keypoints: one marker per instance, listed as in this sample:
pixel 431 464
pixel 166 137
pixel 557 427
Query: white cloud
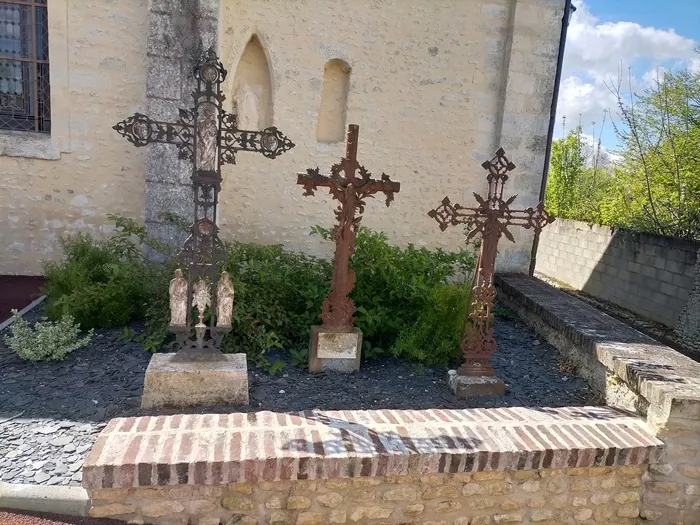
pixel 596 54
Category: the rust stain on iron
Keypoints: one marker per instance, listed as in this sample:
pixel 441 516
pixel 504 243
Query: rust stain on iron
pixel 350 184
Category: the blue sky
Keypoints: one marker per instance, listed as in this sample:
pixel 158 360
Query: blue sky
pixel 609 36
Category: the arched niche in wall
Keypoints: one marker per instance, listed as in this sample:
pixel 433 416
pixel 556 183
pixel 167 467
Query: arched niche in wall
pixel 252 88
pixel 334 101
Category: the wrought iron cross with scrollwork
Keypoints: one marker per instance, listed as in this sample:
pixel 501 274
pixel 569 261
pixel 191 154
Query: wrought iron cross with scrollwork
pixel 491 219
pixel 349 183
pixel 208 136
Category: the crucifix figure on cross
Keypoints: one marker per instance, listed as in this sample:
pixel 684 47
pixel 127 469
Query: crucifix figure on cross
pixel 491 218
pixel 349 183
pixel 208 136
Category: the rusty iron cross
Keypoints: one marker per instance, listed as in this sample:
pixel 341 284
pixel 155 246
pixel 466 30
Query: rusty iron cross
pixel 491 218
pixel 349 183
pixel 209 137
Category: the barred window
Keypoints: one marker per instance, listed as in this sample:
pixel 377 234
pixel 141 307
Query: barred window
pixel 24 66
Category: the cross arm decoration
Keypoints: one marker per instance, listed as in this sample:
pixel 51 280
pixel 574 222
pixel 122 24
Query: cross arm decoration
pixel 270 142
pixel 494 210
pixel 142 130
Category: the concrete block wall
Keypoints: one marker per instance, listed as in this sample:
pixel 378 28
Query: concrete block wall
pixel 651 275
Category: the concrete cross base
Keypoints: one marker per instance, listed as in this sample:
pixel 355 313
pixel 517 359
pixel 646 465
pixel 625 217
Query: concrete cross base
pixel 171 383
pixel 335 350
pixel 475 386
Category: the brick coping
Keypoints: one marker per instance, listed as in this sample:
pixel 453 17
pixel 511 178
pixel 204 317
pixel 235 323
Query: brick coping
pixel 664 377
pixel 212 449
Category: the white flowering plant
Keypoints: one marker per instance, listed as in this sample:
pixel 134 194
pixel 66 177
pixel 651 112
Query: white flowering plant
pixel 47 341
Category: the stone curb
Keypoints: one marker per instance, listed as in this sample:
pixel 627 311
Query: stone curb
pixel 8 322
pixel 70 501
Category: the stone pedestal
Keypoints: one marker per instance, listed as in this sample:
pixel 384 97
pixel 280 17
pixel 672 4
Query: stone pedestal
pixel 335 350
pixel 475 386
pixel 171 383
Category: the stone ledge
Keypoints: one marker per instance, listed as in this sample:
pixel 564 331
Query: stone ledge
pixel 665 378
pixel 212 449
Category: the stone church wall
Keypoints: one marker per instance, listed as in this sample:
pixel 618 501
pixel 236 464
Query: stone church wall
pixel 67 181
pixel 435 89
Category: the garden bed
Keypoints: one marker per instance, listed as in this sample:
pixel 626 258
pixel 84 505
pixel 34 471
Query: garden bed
pixel 51 412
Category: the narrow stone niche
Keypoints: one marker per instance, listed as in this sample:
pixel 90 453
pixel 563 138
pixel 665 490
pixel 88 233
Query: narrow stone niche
pixel 334 101
pixel 252 88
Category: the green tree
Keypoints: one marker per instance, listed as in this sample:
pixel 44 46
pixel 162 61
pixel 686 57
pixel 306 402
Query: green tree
pixel 656 185
pixel 578 178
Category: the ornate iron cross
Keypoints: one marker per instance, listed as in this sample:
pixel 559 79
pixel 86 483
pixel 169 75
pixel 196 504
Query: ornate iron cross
pixel 491 219
pixel 209 137
pixel 350 183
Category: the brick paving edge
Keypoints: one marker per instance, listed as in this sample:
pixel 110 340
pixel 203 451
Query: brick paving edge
pixel 70 501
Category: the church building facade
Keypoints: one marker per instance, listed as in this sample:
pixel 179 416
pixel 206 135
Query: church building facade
pixel 435 86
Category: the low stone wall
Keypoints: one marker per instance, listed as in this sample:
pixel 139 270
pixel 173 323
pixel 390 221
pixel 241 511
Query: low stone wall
pixel 593 495
pixel 655 276
pixel 634 372
pixel 461 467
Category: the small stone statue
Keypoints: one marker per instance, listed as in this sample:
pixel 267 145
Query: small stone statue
pixel 206 138
pixel 201 298
pixel 224 301
pixel 178 300
pixel 247 104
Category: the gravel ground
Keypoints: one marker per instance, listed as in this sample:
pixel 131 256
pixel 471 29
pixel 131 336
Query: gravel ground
pixel 32 518
pixel 51 413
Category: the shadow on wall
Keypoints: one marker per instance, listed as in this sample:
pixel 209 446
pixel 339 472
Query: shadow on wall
pixel 654 276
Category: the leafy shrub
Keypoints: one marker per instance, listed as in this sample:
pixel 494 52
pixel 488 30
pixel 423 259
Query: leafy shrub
pixel 278 296
pixel 278 292
pixel 394 284
pixel 99 283
pixel 47 341
pixel 433 340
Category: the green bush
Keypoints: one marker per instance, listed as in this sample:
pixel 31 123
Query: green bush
pixel 394 284
pixel 434 338
pixel 278 297
pixel 47 341
pixel 278 293
pixel 99 283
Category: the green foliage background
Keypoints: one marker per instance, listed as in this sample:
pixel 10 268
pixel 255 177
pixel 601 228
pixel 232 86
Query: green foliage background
pixel 278 293
pixel 655 185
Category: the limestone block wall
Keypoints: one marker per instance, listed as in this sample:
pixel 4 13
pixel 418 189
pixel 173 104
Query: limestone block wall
pixel 67 181
pixel 436 88
pixel 574 495
pixel 654 276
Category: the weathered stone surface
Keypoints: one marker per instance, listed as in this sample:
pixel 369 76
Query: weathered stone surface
pixel 178 384
pixel 474 386
pixel 334 351
pixel 111 509
pixel 161 508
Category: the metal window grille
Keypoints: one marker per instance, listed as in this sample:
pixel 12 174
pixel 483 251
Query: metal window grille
pixel 25 101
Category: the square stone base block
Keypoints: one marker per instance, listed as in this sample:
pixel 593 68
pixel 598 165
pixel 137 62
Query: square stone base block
pixel 171 383
pixel 338 351
pixel 475 386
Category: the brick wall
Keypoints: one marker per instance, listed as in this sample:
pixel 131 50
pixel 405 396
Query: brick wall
pixel 651 275
pixel 479 466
